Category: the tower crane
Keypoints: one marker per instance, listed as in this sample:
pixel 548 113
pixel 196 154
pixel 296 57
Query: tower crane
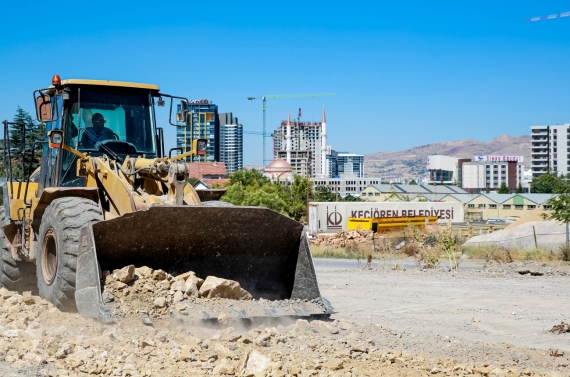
pixel 549 17
pixel 280 96
pixel 257 133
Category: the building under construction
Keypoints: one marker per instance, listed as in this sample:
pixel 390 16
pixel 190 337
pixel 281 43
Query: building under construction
pixel 303 145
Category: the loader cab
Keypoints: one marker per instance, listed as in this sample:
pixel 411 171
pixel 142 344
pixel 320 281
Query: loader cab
pixel 93 115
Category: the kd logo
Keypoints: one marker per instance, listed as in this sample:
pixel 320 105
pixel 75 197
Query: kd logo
pixel 334 218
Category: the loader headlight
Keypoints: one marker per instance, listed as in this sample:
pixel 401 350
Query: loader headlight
pixel 55 138
pixel 201 146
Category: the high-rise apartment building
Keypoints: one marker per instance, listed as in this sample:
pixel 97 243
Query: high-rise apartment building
pixel 350 164
pixel 202 124
pixel 303 145
pixel 231 142
pixel 549 149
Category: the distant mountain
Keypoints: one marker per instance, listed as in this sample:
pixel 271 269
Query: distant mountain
pixel 412 162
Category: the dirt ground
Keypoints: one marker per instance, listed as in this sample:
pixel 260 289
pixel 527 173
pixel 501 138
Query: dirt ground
pixel 492 313
pixel 491 321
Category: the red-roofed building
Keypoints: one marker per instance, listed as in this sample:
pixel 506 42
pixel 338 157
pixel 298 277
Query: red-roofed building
pixel 211 173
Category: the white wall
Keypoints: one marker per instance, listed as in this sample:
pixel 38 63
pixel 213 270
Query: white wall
pixel 330 217
pixel 437 162
pixel 473 176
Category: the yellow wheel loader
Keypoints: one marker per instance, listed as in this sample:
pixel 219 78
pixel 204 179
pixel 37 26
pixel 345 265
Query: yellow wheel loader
pixel 106 196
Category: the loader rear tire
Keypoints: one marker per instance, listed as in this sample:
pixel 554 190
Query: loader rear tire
pixel 58 243
pixel 14 276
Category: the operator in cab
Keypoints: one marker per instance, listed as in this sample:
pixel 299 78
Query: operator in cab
pixel 97 133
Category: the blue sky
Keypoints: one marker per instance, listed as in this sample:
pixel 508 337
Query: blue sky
pixel 406 73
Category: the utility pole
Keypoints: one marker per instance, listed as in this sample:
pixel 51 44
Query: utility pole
pixel 567 209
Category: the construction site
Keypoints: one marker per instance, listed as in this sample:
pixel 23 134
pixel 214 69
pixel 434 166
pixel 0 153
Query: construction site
pixel 89 285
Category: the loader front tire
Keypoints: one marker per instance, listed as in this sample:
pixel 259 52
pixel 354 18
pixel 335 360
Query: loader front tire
pixel 58 243
pixel 14 276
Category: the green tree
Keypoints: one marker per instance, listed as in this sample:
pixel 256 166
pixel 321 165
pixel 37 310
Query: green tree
pixel 350 198
pixel 324 194
pixel 23 128
pixel 519 189
pixel 487 189
pixel 546 184
pixel 251 188
pixel 248 177
pixel 504 189
pixel 298 204
pixel 413 182
pixel 560 208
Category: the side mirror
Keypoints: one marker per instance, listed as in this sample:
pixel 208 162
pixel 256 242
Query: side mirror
pixel 44 112
pixel 182 113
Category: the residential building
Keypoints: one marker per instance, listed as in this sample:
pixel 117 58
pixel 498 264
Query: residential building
pixel 210 173
pixel 350 165
pixel 231 142
pixel 332 163
pixel 202 124
pixel 303 146
pixel 549 149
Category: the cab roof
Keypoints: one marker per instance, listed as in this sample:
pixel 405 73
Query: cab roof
pixel 110 83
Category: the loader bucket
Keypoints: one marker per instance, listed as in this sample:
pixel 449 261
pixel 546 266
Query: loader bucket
pixel 266 252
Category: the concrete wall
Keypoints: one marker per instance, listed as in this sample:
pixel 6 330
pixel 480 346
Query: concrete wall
pixel 331 217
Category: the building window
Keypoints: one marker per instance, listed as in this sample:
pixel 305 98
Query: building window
pixel 547 207
pixel 518 207
pixel 481 205
pixel 506 206
pixel 377 194
pixel 470 205
pixel 492 206
pixel 530 207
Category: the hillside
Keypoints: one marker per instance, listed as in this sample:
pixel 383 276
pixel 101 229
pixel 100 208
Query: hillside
pixel 412 162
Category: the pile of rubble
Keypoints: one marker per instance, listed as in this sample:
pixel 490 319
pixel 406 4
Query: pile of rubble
pixel 561 328
pixel 345 237
pixel 37 339
pixel 526 268
pixel 130 291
